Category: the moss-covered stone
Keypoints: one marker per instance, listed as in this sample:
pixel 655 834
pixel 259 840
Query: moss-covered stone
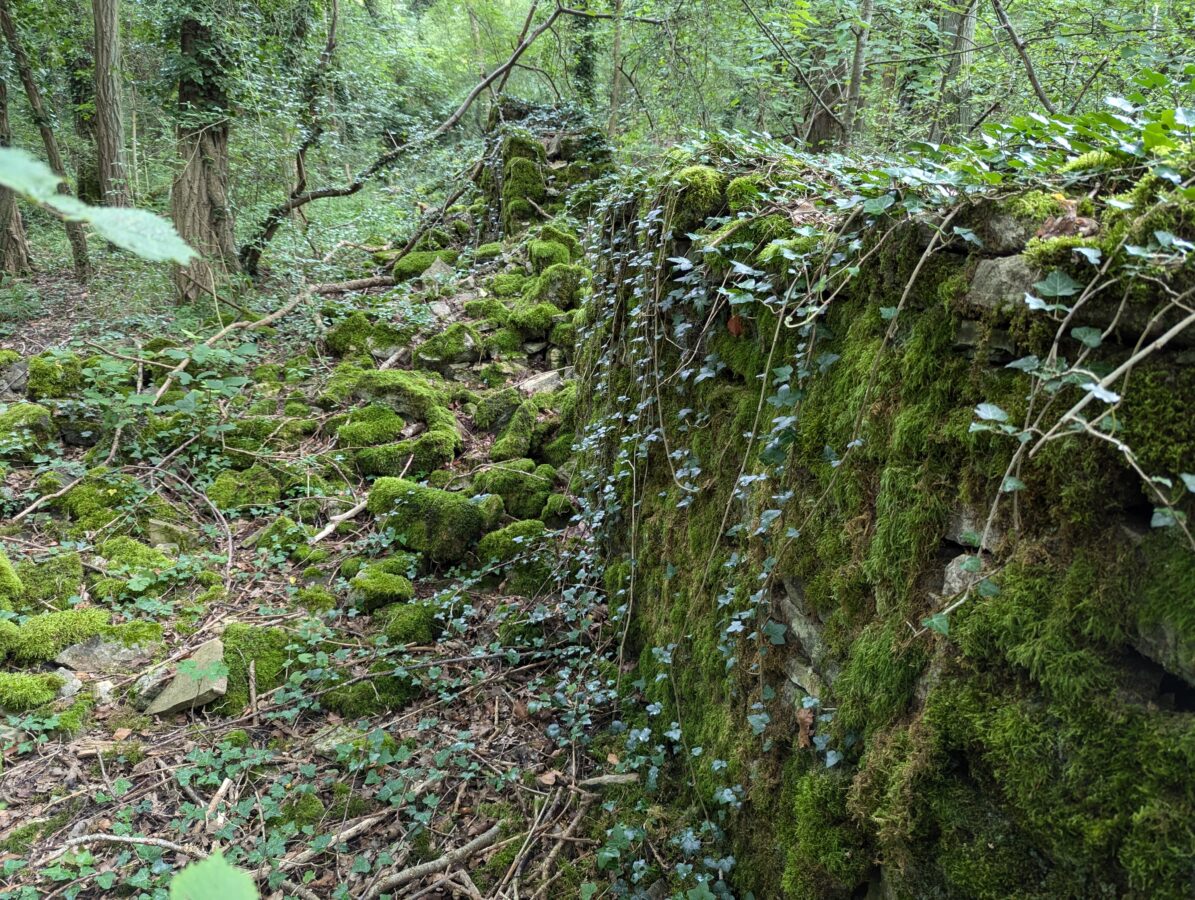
pixel 699 192
pixel 558 235
pixel 525 568
pixel 409 623
pixel 316 598
pixel 515 440
pixel 437 523
pixel 384 692
pixel 357 334
pixel 558 285
pixel 508 284
pixel 743 193
pixel 543 254
pixel 523 486
pixel 487 308
pixel 44 636
pixel 458 343
pixel 11 586
pixel 504 342
pixel 23 691
pixel 54 376
pixel 51 582
pixel 534 319
pixel 383 583
pixel 304 811
pixel 247 489
pixel 265 648
pixel 417 262
pixel 370 426
pixel 130 569
pixel 25 428
pixel 488 251
pixel 494 408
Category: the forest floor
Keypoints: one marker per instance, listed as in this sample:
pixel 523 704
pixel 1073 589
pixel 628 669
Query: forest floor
pixel 458 776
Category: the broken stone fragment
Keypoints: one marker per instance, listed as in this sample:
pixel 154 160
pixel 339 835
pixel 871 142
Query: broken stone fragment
pixel 200 679
pixel 1001 283
pixel 544 381
pixel 99 655
pixel 148 686
pixel 71 685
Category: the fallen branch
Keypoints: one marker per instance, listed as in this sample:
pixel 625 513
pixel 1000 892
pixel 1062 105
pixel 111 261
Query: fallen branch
pixel 40 501
pixel 449 859
pixel 122 839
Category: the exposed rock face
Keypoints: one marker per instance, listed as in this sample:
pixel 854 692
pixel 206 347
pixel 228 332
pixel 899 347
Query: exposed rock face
pixel 1000 284
pixel 195 683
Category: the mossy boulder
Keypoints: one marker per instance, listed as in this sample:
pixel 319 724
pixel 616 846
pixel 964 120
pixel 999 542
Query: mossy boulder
pixel 508 284
pixel 515 440
pixel 54 376
pixel 417 262
pixel 265 649
pixel 523 486
pixel 488 251
pixel 131 569
pixel 558 235
pixel 696 193
pixel 442 525
pixel 44 636
pixel 494 408
pixel 23 691
pixel 409 623
pixel 410 394
pixel 370 426
pixel 357 334
pixel 558 285
pixel 526 568
pixel 534 319
pixel 543 254
pixel 458 343
pixel 247 489
pixel 25 428
pixel 417 456
pixel 51 582
pixel 11 586
pixel 383 583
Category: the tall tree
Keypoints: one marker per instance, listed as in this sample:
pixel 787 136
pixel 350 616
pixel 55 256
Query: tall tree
pixel 14 249
pixel 109 122
pixel 74 230
pixel 199 199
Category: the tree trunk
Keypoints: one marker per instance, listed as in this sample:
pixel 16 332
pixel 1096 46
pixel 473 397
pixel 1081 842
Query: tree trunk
pixel 14 249
pixel 854 92
pixel 74 230
pixel 109 123
pixel 199 199
pixel 616 71
pixel 584 62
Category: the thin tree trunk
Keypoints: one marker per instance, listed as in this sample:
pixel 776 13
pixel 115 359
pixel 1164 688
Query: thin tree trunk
pixel 1019 46
pixel 854 92
pixel 616 76
pixel 14 249
pixel 109 121
pixel 74 230
pixel 199 201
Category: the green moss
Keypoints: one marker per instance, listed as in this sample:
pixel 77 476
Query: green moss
pixel 409 623
pixel 487 308
pixel 743 193
pixel 283 534
pixel 515 440
pixel 357 334
pixel 370 426
pixel 699 193
pixel 54 376
pixel 877 682
pixel 504 342
pixel 22 691
pixel 24 429
pixel 516 548
pixel 457 343
pixel 826 854
pixel 522 185
pixel 1035 206
pixel 417 261
pixel 558 285
pixel 488 251
pixel 130 568
pixel 8 357
pixel 381 693
pixel 11 586
pixel 534 320
pixel 508 284
pixel 10 634
pixel 1156 421
pixel 21 839
pixel 558 235
pixel 1091 161
pixel 419 395
pixel 316 599
pixel 44 636
pixel 523 486
pixel 237 737
pixel 543 254
pixel 557 510
pixel 428 520
pixel 415 457
pixel 305 810
pixel 265 648
pixel 73 719
pixel 252 487
pixel 386 582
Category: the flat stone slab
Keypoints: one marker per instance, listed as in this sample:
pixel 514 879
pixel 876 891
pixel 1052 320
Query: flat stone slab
pixel 195 683
pixel 104 657
pixel 545 381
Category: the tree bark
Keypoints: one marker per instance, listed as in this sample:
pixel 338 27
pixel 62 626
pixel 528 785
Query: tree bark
pixel 14 249
pixel 74 230
pixel 199 200
pixel 109 121
pixel 1019 46
pixel 854 92
pixel 616 73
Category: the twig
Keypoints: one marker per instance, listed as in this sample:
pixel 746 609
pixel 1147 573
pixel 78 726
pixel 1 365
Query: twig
pixel 336 520
pixel 122 839
pixel 1022 52
pixel 446 861
pixel 46 499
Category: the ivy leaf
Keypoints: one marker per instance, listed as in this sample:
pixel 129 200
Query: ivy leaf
pixel 875 205
pixel 1090 337
pixel 1092 254
pixel 1057 284
pixel 212 877
pixel 1025 363
pixel 27 175
pixel 1188 480
pixel 990 412
pixel 937 622
pixel 758 722
pixel 1010 484
pixel 1101 393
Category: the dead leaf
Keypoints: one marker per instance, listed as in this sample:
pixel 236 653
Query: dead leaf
pixel 735 325
pixel 805 727
pixel 548 778
pixel 612 758
pixel 121 733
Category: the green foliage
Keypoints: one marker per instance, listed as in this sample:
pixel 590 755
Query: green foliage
pixel 11 586
pixel 440 524
pixel 212 877
pixel 265 649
